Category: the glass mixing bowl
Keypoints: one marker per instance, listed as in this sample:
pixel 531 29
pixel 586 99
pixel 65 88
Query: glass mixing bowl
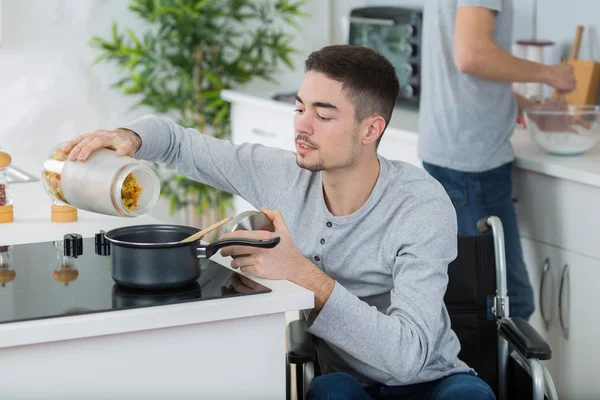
pixel 571 130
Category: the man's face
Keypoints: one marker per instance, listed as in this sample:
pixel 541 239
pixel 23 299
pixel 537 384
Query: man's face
pixel 326 132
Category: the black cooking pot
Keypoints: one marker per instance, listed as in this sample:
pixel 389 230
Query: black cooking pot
pixel 151 257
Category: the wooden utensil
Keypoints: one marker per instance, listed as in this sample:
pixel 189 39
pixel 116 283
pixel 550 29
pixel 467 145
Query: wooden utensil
pixel 587 74
pixel 203 232
pixel 561 102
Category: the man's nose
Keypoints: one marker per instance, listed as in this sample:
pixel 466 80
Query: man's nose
pixel 303 124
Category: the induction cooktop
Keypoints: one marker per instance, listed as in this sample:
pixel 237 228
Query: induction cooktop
pixel 38 281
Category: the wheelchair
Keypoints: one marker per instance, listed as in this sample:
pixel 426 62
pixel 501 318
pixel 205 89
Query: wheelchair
pixel 477 301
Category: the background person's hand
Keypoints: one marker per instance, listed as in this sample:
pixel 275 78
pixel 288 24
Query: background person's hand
pixel 561 77
pixel 123 141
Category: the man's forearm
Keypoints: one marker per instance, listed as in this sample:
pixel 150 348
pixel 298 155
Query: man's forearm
pixel 310 277
pixel 490 61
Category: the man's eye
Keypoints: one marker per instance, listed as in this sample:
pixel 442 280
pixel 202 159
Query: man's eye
pixel 323 118
pixel 298 110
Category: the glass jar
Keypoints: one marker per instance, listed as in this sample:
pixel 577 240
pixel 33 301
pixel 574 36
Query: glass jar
pixel 104 183
pixel 6 207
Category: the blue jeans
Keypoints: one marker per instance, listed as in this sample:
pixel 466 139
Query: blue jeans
pixel 477 195
pixel 341 386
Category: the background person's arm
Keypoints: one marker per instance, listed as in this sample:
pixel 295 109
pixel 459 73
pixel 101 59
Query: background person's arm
pixel 476 53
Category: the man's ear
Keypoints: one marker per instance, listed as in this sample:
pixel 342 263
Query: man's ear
pixel 374 129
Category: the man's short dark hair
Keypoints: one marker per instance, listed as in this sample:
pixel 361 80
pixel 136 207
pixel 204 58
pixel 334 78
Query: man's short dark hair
pixel 367 77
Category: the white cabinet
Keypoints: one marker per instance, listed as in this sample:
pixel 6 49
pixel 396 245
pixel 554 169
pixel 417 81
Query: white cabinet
pixel 257 124
pixel 569 305
pixel 399 145
pixel 558 221
pixel 558 211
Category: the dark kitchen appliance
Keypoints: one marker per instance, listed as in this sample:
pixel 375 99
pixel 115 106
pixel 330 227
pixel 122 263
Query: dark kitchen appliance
pixel 396 33
pixel 73 276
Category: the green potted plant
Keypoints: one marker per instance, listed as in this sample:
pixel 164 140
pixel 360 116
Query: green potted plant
pixel 191 51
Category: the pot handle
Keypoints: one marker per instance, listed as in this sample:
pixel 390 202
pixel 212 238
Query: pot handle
pixel 209 250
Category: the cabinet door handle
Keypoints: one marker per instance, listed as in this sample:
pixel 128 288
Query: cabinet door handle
pixel 564 326
pixel 260 132
pixel 546 274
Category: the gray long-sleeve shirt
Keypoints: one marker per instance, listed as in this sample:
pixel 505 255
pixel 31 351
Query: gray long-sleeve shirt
pixel 385 320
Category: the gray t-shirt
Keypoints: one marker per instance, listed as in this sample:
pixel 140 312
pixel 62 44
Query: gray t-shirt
pixel 465 122
pixel 385 320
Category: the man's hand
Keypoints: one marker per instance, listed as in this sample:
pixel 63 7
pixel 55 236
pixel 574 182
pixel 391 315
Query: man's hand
pixel 123 141
pixel 561 77
pixel 284 261
pixel 279 262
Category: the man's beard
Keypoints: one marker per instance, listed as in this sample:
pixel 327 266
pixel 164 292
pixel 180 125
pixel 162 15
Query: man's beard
pixel 320 164
pixel 316 167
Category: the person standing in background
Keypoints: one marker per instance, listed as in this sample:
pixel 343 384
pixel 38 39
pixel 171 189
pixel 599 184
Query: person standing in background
pixel 468 112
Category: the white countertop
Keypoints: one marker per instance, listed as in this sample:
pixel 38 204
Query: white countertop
pixel 32 224
pixel 582 169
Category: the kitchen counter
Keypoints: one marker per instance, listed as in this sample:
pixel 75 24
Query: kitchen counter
pixel 581 169
pixel 200 346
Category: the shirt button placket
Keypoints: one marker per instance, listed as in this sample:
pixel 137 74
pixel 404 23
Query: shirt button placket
pixel 322 241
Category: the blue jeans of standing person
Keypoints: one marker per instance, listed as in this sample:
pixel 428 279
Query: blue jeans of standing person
pixel 477 195
pixel 341 386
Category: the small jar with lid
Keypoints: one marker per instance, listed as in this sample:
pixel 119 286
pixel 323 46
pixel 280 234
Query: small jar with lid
pixel 104 183
pixel 6 206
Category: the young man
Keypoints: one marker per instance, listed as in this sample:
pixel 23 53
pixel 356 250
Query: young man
pixel 370 237
pixel 468 113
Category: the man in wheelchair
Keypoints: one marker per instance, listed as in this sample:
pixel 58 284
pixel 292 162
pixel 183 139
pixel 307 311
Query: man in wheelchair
pixel 372 238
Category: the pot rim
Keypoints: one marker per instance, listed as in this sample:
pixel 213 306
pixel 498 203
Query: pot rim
pixel 136 228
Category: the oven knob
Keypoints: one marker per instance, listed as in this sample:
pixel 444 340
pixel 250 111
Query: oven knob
pixel 73 245
pixel 102 245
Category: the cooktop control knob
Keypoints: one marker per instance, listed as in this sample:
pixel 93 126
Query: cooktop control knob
pixel 102 245
pixel 73 245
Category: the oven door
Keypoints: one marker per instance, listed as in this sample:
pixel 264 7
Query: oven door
pixel 395 33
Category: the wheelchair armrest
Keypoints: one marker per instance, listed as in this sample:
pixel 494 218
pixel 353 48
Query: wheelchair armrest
pixel 300 347
pixel 519 333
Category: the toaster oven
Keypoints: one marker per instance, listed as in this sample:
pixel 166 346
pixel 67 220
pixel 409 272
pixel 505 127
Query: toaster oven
pixel 395 33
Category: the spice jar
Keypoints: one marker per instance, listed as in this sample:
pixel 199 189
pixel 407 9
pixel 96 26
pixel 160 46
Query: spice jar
pixel 6 207
pixel 105 183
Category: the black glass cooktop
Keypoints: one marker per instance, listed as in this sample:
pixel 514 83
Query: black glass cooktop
pixel 38 281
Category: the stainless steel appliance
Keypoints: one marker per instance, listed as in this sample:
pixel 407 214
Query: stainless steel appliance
pixel 396 33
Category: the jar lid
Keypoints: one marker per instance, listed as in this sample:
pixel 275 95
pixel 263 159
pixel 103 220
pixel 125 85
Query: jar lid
pixel 6 214
pixel 62 213
pixel 5 159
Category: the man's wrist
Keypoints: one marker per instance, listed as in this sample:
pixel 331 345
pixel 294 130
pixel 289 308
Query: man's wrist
pixel 311 277
pixel 137 140
pixel 546 74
